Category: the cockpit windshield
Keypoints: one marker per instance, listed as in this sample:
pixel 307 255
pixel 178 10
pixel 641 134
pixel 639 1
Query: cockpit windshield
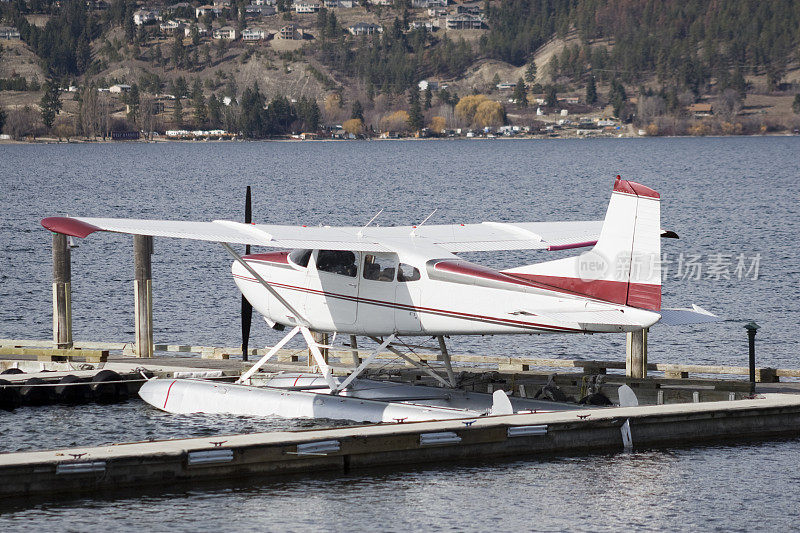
pixel 300 257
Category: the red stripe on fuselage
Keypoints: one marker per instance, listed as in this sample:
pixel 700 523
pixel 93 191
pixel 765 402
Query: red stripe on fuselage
pixel 441 312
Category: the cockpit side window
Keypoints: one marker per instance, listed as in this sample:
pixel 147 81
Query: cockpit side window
pixel 380 267
pixel 342 262
pixel 300 257
pixel 407 273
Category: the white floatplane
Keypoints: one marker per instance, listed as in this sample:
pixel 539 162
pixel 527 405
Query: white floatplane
pixel 390 282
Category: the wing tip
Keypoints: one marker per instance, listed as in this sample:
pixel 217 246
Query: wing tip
pixel 69 226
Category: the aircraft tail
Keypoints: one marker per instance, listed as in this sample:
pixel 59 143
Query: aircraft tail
pixel 624 265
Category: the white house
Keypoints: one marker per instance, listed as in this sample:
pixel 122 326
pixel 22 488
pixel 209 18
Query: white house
pixel 365 28
pixel 464 21
pixel 172 26
pixel 8 33
pixel 145 16
pixel 252 34
pixel 119 88
pixel 307 7
pixel 226 32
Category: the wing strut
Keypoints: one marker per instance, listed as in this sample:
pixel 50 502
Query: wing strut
pixel 297 316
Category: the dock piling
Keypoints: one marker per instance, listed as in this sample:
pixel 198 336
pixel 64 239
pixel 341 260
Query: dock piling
pixel 62 292
pixel 636 354
pixel 752 328
pixel 143 294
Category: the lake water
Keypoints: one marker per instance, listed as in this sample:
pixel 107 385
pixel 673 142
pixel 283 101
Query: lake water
pixel 733 201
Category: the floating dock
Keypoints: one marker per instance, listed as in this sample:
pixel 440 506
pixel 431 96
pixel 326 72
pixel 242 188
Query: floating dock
pixel 268 455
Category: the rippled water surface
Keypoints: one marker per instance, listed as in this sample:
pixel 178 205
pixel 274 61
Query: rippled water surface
pixel 725 197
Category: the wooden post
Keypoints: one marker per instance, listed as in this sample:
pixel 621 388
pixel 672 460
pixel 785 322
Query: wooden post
pixel 636 354
pixel 62 292
pixel 354 351
pixel 143 294
pixel 319 338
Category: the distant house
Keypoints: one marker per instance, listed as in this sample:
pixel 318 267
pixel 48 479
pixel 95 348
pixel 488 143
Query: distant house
pixel 291 32
pixel 119 88
pixel 429 25
pixel 226 32
pixel 202 11
pixel 464 21
pixel 8 33
pixel 437 11
pixel 251 34
pixel 506 86
pixel 201 31
pixel 145 16
pixel 433 85
pixel 469 9
pixel 381 2
pixel 426 4
pixel 338 3
pixel 179 5
pixel 307 7
pixel 701 110
pixel 252 11
pixel 222 3
pixel 263 2
pixel 171 27
pixel 365 28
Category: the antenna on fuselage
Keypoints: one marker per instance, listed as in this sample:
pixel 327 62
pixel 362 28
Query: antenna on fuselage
pixel 414 228
pixel 361 231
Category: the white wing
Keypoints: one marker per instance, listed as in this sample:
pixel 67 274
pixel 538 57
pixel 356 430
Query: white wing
pixel 486 236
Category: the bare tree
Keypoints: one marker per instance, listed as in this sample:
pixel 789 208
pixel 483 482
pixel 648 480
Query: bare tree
pixel 650 107
pixel 728 104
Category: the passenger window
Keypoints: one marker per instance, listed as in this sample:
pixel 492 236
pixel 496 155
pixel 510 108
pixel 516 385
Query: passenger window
pixel 300 257
pixel 380 267
pixel 340 262
pixel 407 273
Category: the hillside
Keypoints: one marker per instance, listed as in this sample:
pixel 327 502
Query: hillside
pixel 696 66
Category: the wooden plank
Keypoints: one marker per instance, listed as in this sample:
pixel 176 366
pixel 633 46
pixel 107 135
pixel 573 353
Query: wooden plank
pixel 54 354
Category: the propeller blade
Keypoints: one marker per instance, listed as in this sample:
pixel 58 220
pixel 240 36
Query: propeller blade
pixel 247 309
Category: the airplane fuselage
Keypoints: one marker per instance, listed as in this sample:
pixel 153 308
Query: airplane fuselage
pixel 380 293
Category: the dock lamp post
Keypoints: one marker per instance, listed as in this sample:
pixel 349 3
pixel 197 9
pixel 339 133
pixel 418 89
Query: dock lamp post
pixel 752 328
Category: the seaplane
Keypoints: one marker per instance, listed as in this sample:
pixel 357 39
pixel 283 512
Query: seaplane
pixel 394 284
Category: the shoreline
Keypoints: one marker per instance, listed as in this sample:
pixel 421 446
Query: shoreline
pixel 51 140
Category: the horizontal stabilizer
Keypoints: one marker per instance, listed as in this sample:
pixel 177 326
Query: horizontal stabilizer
pixel 680 317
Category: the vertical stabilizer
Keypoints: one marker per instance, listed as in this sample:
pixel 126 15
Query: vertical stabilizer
pixel 624 265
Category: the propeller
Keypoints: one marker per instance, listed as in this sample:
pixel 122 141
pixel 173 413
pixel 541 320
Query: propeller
pixel 247 309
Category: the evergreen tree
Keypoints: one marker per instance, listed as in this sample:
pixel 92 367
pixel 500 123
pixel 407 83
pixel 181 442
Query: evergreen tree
pixel 591 91
pixel 214 111
pixel 521 93
pixel 796 104
pixel 177 113
pixel 200 111
pixel 50 103
pixel 551 98
pixel 252 117
pixel 416 120
pixel 358 111
pixel 133 102
pixel 530 72
pixel 618 97
pixel 428 97
pixel 2 118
